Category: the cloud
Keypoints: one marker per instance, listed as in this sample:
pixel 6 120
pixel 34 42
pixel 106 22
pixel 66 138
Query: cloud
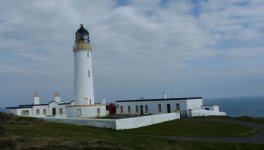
pixel 140 47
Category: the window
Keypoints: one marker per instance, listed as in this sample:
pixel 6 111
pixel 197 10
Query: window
pixel 159 107
pixel 207 109
pixel 61 112
pixel 121 109
pixel 25 112
pixel 85 100
pixel 177 106
pixel 37 112
pixel 146 108
pixel 128 109
pixel 88 73
pixel 44 112
pixel 136 108
pixel 88 54
pixel 98 111
pixel 79 113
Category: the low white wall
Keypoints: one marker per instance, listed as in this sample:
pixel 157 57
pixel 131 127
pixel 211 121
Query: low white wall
pixel 130 123
pixel 100 123
pixel 202 112
pixel 118 124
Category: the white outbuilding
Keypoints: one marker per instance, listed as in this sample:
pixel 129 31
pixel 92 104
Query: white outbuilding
pixel 55 108
pixel 188 107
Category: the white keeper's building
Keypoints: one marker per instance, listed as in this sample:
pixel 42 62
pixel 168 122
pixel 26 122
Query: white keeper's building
pixel 188 107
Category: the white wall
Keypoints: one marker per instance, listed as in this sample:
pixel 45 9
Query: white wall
pixel 19 111
pixel 118 124
pixel 40 108
pixel 100 123
pixel 86 111
pixel 136 122
pixel 57 106
pixel 203 112
pixel 211 107
pixel 194 103
pixel 12 111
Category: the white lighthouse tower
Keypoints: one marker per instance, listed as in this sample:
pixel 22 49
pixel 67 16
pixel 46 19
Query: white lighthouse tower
pixel 83 74
pixel 84 105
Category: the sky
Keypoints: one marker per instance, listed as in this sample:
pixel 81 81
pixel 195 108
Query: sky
pixel 207 48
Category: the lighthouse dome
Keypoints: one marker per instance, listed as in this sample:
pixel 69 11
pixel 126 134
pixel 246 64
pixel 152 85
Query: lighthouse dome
pixel 82 35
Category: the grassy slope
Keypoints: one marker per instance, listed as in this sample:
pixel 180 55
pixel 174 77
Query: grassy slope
pixel 193 128
pixel 241 118
pixel 28 133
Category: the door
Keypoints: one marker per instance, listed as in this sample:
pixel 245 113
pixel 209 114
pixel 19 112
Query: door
pixel 168 108
pixel 141 110
pixel 53 111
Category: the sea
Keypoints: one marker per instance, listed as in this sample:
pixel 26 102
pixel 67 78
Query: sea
pixel 2 109
pixel 244 106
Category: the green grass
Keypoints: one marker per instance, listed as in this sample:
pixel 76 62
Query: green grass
pixel 250 119
pixel 241 118
pixel 30 133
pixel 193 128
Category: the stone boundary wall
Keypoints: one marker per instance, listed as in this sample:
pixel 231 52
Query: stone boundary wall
pixel 117 124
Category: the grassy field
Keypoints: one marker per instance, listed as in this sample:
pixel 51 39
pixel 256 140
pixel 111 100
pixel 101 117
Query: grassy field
pixel 241 118
pixel 194 128
pixel 29 133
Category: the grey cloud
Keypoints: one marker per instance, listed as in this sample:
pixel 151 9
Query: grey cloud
pixel 139 49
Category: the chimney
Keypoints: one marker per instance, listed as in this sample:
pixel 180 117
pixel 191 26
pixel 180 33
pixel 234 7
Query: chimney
pixel 164 95
pixel 36 99
pixel 57 97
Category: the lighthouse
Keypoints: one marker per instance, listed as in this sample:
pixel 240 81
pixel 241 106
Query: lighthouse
pixel 84 103
pixel 83 74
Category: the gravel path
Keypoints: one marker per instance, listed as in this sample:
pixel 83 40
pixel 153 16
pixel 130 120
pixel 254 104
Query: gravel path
pixel 258 138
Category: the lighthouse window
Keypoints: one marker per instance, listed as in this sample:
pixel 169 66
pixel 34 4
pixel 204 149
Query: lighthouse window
pixel 136 108
pixel 88 73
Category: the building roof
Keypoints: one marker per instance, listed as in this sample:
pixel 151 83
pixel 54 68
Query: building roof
pixel 167 99
pixel 82 30
pixel 19 107
pixel 31 105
